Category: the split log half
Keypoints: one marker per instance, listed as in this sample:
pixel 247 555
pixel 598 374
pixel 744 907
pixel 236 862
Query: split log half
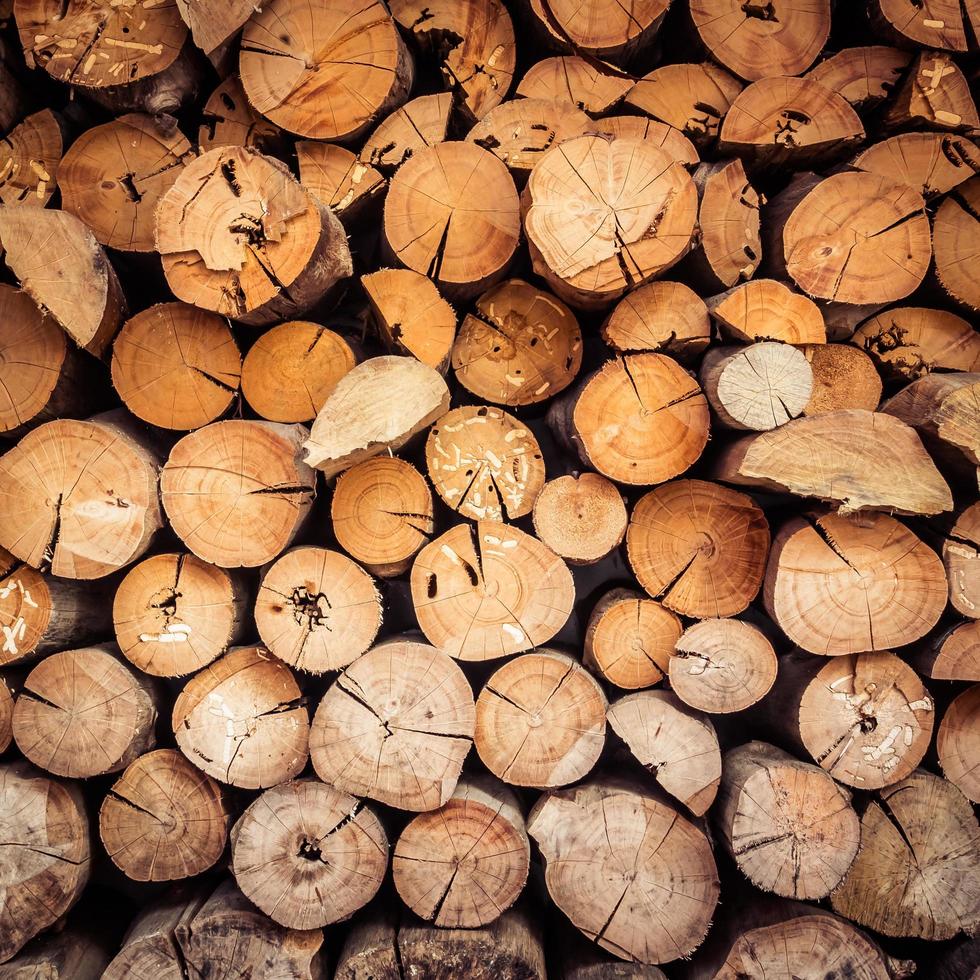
pixel 961 556
pixel 843 377
pixel 228 118
pixel 956 239
pixel 930 163
pixel 30 156
pixel 335 175
pixel 934 94
pixel 768 310
pixel 954 655
pixel 865 76
pixel 576 81
pixel 581 517
pixel 419 123
pixel 958 740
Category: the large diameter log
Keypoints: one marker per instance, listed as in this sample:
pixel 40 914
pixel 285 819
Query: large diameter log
pixel 843 377
pixel 865 76
pixel 376 407
pixel 308 854
pixel 915 874
pixel 840 584
pixel 238 235
pixel 608 847
pixel 640 419
pixel 961 556
pixel 789 827
pixel 767 310
pixel 237 492
pixel 859 460
pixel 163 819
pixel 84 713
pixel 958 742
pixel 462 866
pixel 955 234
pixel 954 655
pixel 581 517
pixel 395 726
pixel 490 590
pixel 610 247
pixel 243 720
pixel 29 161
pixel 79 498
pixel 46 853
pixel 576 81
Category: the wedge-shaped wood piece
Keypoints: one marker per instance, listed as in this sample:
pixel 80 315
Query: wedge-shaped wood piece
pixel 335 175
pixel 961 556
pixel 670 139
pixel 934 94
pixel 934 24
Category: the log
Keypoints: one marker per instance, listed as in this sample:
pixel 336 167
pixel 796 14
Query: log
pixel 540 721
pixel 13 101
pixel 163 819
pixel 954 655
pixel 437 220
pixel 290 371
pixel 581 517
pixel 607 847
pixel 676 745
pixel 239 236
pixel 956 234
pixel 661 317
pixel 916 873
pixel 577 959
pixel 113 176
pixel 865 76
pixel 343 51
pixel 938 24
pixel 228 119
pixel 668 138
pixel 840 584
pixel 856 459
pixel 317 610
pixel 756 388
pixel 410 315
pixel 79 498
pixel 265 738
pixel 934 94
pixel 929 163
pixel 237 492
pixel 640 419
pixel 757 40
pixel 174 614
pixel 630 639
pixel 30 156
pixel 790 829
pixel 767 310
pixel 422 122
pixel 577 81
pixel 698 548
pixel 956 742
pixel 843 377
pixel 635 221
pixel 490 590
pixel 722 665
pixel 84 713
pixel 75 953
pixel 62 267
pixel 46 852
pixel 307 854
pixel 484 464
pixel 519 346
pixel 462 866
pixel 376 407
pixel 336 176
pixel 382 514
pixel 395 726
pixel 961 556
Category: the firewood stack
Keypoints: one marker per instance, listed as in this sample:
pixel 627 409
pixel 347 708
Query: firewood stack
pixel 489 489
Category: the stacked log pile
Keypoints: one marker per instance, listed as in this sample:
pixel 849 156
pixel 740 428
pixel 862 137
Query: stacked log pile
pixel 489 488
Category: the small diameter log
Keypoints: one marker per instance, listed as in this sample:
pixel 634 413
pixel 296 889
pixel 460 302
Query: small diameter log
pixel 640 419
pixel 84 713
pixel 174 614
pixel 856 459
pixel 519 346
pixel 698 548
pixel 961 556
pixel 237 492
pixel 608 847
pixel 290 371
pixel 317 610
pixel 843 377
pixel 395 726
pixel 175 366
pixel 758 387
pixel 789 827
pixel 228 118
pixel 79 498
pixel 308 854
pixel 419 123
pixel 934 94
pixel 581 517
pixel 46 849
pixel 348 51
pixel 163 819
pixel 848 584
pixel 611 247
pixel 661 317
pixel 865 76
pixel 29 159
pixel 937 24
pixel 113 177
pixel 954 655
pixel 375 408
pixel 463 865
pixel 336 176
pixel 767 310
pixel 956 238
pixel 676 745
pixel 382 514
pixel 575 81
pixel 930 163
pixel 62 267
pixel 260 736
pixel 916 872
pixel 958 740
pixel 722 665
pixel 239 236
pixel 490 590
pixel 484 463
pixel 411 317
pixel 77 952
pixel 540 721
pixel 630 639
pixel 452 214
